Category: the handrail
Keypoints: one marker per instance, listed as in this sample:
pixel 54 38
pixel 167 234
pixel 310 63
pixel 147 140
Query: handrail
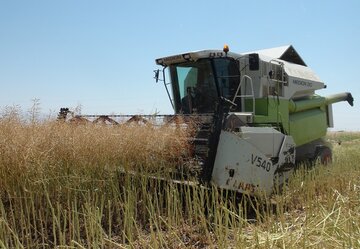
pixel 246 95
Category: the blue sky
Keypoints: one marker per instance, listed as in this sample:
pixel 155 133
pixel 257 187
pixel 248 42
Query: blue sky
pixel 100 54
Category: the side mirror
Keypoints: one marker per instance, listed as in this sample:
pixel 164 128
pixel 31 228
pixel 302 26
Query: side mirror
pixel 156 77
pixel 254 62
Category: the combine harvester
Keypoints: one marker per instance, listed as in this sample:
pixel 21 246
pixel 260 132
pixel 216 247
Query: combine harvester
pixel 257 114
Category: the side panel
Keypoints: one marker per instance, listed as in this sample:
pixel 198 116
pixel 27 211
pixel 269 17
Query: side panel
pixel 304 126
pixel 277 112
pixel 330 119
pixel 308 126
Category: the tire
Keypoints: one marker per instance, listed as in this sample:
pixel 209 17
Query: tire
pixel 324 156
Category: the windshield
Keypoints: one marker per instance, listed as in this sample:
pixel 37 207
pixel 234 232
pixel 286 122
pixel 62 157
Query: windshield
pixel 198 85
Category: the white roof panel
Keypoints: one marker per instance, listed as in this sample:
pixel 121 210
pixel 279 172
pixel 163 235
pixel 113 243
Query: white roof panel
pixel 285 53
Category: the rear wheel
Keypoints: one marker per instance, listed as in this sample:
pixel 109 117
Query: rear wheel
pixel 324 156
